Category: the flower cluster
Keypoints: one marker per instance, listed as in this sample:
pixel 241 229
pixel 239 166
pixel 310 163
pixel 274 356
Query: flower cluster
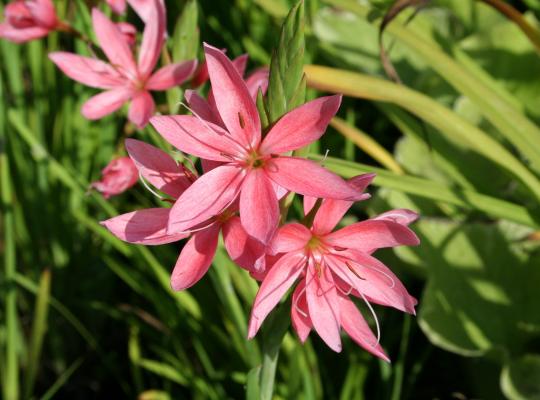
pixel 246 173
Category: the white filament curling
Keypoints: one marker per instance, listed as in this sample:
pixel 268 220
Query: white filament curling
pixel 374 317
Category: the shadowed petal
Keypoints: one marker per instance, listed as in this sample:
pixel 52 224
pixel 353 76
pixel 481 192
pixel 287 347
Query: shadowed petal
pixel 323 305
pixel 258 80
pixel 279 279
pixel 356 326
pixel 206 197
pixel 195 258
pixel 301 126
pixel 105 103
pixel 199 138
pixel 372 234
pixel 141 109
pixel 200 107
pixel 242 248
pixel 146 226
pixel 236 107
pixel 171 75
pixel 158 168
pixel 290 237
pixel 308 178
pixel 113 44
pixel 259 208
pixel 92 72
pixel 300 319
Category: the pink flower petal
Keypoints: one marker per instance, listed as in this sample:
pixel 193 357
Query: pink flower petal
pixel 195 258
pixel 158 168
pixel 236 107
pixel 113 44
pixel 146 227
pixel 21 35
pixel 118 6
pixel 206 197
pixel 141 109
pixel 279 279
pixel 242 248
pixel 199 138
pixel 105 103
pixel 146 8
pixel 200 107
pixel 308 178
pixel 368 235
pixel 300 319
pixel 259 209
pixel 288 238
pixel 323 305
pixel 399 216
pixel 332 211
pixel 301 126
pixel 356 326
pixel 258 80
pixel 153 38
pixel 43 13
pixel 171 75
pixel 372 278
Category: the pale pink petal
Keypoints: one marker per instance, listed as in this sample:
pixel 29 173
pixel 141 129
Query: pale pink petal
pixel 153 38
pixel 399 216
pixel 372 234
pixel 146 8
pixel 259 208
pixel 105 103
pixel 289 237
pixel 332 211
pixel 129 31
pixel 301 126
pixel 323 305
pixel 43 13
pixel 372 278
pixel 171 75
pixel 21 35
pixel 195 258
pixel 300 319
pixel 242 248
pixel 146 227
pixel 193 136
pixel 279 279
pixel 158 168
pixel 356 326
pixel 141 109
pixel 118 6
pixel 258 80
pixel 200 107
pixel 308 178
pixel 90 71
pixel 208 196
pixel 113 44
pixel 236 107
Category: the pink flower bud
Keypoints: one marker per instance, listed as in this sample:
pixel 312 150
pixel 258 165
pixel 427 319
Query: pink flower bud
pixel 27 20
pixel 117 177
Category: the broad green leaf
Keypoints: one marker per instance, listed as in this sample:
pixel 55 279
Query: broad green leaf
pixel 520 379
pixel 440 117
pixel 185 40
pixel 467 199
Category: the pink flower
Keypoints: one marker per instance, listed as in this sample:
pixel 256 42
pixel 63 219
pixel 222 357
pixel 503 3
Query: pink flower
pixel 27 20
pixel 124 79
pixel 251 167
pixel 149 226
pixel 331 266
pixel 129 32
pixel 118 6
pixel 118 176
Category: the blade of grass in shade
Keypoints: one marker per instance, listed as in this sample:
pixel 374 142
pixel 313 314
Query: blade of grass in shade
pixel 39 328
pixel 353 387
pixel 467 199
pixel 399 366
pixel 514 125
pixel 446 121
pixel 184 299
pixel 62 379
pixel 367 144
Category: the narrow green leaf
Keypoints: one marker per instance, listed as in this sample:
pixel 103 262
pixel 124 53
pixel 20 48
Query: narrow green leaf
pixel 62 379
pixel 185 40
pixel 39 328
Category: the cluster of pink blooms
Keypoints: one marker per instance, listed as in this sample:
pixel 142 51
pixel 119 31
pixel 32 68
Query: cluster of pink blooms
pixel 246 172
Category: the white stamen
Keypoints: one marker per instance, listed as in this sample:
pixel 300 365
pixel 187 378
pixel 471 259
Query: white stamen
pixel 374 317
pixel 149 188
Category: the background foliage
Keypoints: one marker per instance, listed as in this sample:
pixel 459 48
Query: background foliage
pixel 85 315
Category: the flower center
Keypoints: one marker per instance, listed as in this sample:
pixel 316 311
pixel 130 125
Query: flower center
pixel 313 243
pixel 254 160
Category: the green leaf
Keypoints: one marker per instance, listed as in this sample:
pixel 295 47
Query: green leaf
pixel 520 380
pixel 428 189
pixel 185 40
pixel 285 87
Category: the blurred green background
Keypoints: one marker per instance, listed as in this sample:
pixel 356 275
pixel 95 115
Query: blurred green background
pixel 84 315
